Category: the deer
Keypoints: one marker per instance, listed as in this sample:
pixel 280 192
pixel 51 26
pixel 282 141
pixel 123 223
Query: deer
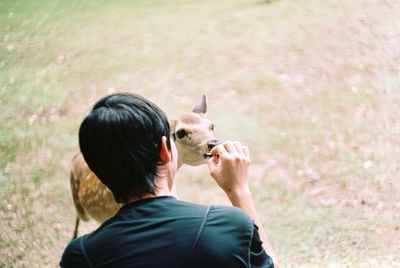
pixel 194 137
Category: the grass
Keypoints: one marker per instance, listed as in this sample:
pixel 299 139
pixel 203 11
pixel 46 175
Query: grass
pixel 311 86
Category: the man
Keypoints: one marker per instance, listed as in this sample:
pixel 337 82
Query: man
pixel 125 141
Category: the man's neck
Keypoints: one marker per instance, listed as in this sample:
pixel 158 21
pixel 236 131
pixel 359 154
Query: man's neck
pixel 161 189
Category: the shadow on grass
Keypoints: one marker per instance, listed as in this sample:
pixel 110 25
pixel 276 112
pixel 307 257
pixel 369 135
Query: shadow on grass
pixel 267 2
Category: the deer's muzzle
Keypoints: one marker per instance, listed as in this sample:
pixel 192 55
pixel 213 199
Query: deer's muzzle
pixel 211 144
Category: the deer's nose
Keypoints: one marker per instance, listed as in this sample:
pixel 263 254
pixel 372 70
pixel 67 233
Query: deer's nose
pixel 212 143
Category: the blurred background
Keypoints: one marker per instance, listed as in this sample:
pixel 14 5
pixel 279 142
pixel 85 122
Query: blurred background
pixel 312 87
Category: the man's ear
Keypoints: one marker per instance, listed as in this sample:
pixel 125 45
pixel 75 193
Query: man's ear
pixel 201 106
pixel 165 154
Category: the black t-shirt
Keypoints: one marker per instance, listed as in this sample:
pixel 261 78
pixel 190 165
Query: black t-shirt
pixel 164 232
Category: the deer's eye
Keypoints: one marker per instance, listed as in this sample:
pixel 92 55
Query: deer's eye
pixel 181 133
pixel 212 127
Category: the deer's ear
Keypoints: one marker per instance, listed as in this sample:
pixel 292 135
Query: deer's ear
pixel 201 106
pixel 172 124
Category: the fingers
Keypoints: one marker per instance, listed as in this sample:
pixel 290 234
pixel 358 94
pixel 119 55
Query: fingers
pixel 219 150
pixel 246 151
pixel 234 147
pixel 238 147
pixel 229 166
pixel 212 165
pixel 229 149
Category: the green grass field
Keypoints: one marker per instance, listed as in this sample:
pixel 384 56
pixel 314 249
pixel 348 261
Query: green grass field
pixel 312 87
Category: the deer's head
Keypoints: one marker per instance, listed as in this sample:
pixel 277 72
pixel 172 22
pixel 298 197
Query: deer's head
pixel 194 135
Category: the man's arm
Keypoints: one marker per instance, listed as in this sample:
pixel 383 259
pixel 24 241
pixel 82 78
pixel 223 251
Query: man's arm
pixel 229 166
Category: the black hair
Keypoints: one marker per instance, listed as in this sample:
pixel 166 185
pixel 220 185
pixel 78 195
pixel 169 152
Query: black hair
pixel 120 141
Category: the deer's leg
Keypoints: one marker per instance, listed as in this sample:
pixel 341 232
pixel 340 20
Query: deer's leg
pixel 76 227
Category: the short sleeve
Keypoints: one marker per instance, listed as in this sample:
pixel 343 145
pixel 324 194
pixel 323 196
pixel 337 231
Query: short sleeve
pixel 73 256
pixel 258 257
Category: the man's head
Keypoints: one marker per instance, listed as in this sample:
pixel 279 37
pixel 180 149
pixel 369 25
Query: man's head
pixel 120 140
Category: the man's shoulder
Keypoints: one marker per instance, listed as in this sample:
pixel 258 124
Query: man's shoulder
pixel 73 255
pixel 218 217
pixel 231 212
pixel 230 216
pixel 225 239
pixel 225 213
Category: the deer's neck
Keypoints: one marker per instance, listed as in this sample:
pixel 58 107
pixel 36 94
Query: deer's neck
pixel 180 163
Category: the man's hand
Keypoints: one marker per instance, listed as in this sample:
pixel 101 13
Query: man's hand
pixel 229 166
